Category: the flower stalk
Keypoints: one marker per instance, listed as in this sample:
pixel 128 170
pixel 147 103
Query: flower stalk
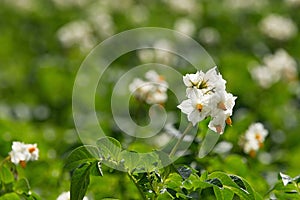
pixel 186 131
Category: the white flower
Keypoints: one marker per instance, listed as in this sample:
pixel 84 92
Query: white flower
pixel 140 88
pixel 152 91
pixel 208 82
pixel 292 2
pixel 154 77
pixel 278 66
pixel 207 97
pixel 185 25
pixel 22 153
pixel 254 138
pixel 278 27
pixel 196 107
pixel 256 132
pixel 282 63
pixel 222 104
pixel 66 196
pixel 77 33
pixel 156 97
pixel 209 35
pixel 264 76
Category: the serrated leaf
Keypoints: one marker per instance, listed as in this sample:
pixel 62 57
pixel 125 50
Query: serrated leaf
pixel 6 175
pixel 79 181
pixel 81 155
pixel 110 149
pixel 10 196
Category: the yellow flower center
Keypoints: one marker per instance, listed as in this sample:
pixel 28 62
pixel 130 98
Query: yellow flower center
pixel 199 107
pixel 228 121
pixel 31 149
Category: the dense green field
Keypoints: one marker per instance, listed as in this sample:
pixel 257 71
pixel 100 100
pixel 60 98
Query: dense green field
pixel 255 44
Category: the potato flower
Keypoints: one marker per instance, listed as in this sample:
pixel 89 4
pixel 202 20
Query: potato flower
pixel 207 97
pixel 22 153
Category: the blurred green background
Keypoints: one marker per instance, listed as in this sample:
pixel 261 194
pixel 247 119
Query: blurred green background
pixel 43 42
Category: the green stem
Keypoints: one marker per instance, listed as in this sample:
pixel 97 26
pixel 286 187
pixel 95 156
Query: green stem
pixel 187 129
pixel 5 160
pixel 138 187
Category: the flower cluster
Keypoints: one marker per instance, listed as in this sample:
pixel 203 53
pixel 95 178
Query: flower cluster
pixel 278 27
pixel 152 91
pixel 254 138
pixel 275 67
pixel 207 97
pixel 22 153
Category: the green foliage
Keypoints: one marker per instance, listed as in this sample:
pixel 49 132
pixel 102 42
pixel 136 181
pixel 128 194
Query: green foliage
pixel 12 186
pixel 36 81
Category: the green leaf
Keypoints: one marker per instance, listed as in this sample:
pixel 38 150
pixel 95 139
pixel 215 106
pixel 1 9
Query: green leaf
pixel 6 175
pixel 238 181
pixel 227 182
pixel 184 172
pixel 79 181
pixel 216 182
pixel 174 181
pixel 96 168
pixel 81 155
pixel 22 186
pixel 297 179
pixel 110 149
pixel 223 194
pixel 10 196
pixel 130 160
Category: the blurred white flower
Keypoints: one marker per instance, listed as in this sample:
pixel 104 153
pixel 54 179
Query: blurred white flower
pixel 22 153
pixel 278 66
pixel 264 76
pixel 139 14
pixel 188 6
pixel 77 33
pixel 152 91
pixel 209 35
pixel 292 2
pixel 254 138
pixel 160 53
pixel 101 21
pixel 207 97
pixel 23 5
pixel 185 25
pixel 70 3
pixel 67 196
pixel 245 5
pixel 278 27
pixel 282 63
pixel 223 147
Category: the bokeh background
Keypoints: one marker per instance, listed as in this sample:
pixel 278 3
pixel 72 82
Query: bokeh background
pixel 43 42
